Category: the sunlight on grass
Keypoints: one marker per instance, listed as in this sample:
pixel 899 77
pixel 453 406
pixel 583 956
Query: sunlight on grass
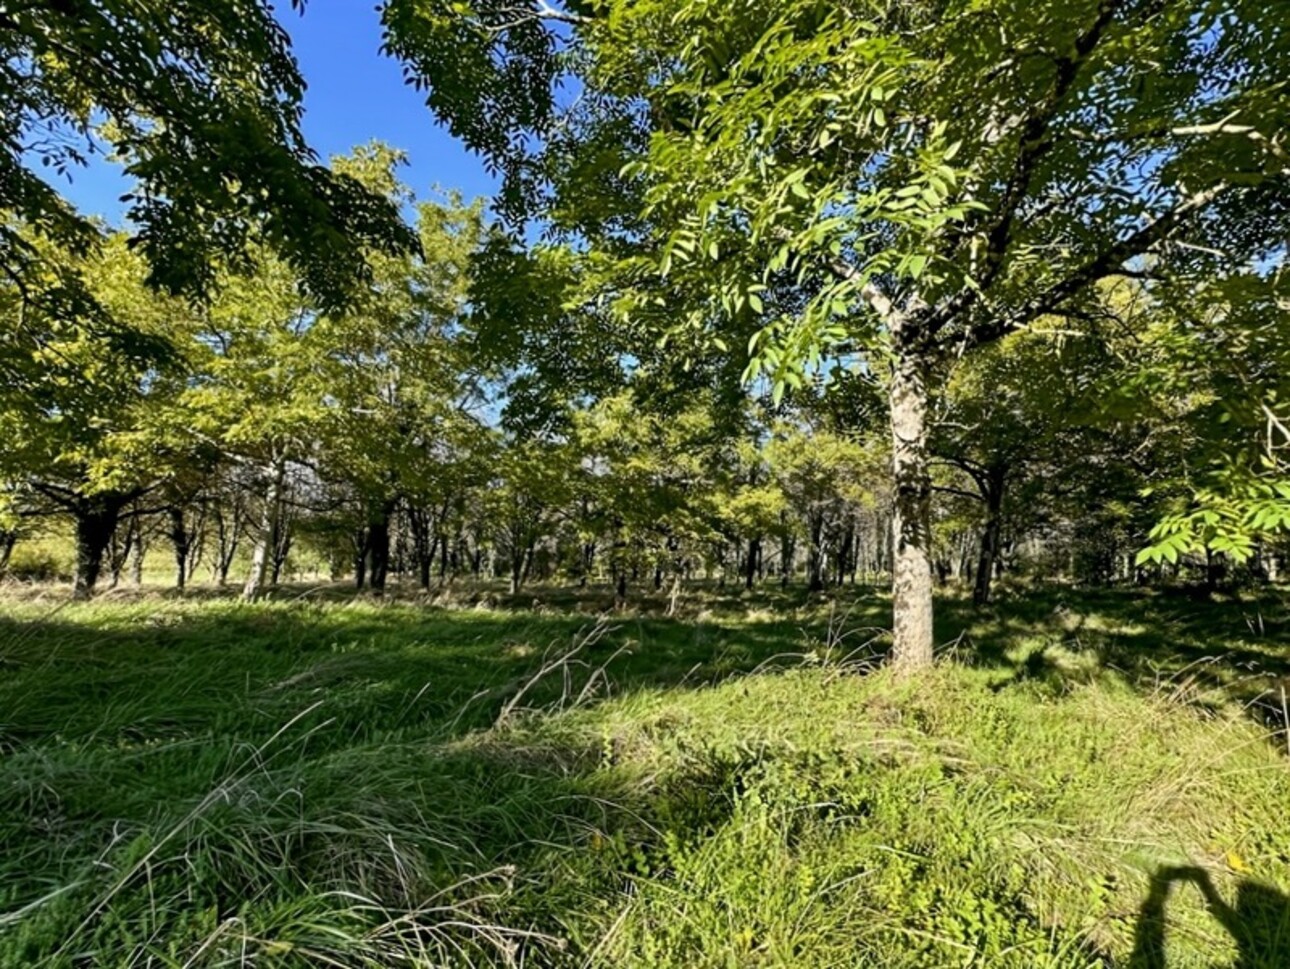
pixel 346 783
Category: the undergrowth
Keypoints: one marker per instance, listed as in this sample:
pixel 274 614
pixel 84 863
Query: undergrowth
pixel 348 784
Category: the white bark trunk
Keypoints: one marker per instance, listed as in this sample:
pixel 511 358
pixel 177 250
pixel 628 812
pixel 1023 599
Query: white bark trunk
pixel 911 524
pixel 268 528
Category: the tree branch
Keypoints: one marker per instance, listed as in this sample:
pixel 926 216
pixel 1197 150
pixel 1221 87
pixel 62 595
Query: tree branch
pixel 1107 263
pixel 1036 142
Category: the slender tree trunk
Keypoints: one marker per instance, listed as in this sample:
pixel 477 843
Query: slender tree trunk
pixel 787 549
pixel 847 552
pixel 517 563
pixel 993 483
pixel 7 541
pixel 265 541
pixel 136 560
pixel 228 535
pixel 675 596
pixel 911 568
pixel 815 554
pixel 754 553
pixel 282 541
pixel 179 539
pixel 530 556
pixel 422 543
pixel 120 545
pixel 378 548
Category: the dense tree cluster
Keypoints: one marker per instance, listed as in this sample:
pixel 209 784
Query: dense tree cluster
pixel 829 292
pixel 259 436
pixel 909 183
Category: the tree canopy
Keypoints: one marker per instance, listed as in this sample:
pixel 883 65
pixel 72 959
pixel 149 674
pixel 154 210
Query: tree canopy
pixel 200 100
pixel 903 182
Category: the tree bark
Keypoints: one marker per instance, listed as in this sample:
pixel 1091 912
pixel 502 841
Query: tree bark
pixel 787 549
pixel 96 520
pixel 7 541
pixel 179 539
pixel 228 535
pixel 265 541
pixel 911 569
pixel 136 559
pixel 992 484
pixel 283 538
pixel 517 564
pixel 378 548
pixel 423 543
pixel 815 554
pixel 750 566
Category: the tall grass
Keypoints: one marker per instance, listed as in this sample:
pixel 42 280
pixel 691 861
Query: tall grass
pixel 193 783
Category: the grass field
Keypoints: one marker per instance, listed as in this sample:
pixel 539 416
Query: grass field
pixel 1085 780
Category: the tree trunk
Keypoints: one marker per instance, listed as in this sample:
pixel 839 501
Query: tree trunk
pixel 517 567
pixel 787 549
pixel 911 569
pixel 847 552
pixel 266 540
pixel 120 544
pixel 378 548
pixel 95 522
pixel 423 570
pixel 992 484
pixel 136 561
pixel 282 541
pixel 228 535
pixel 7 541
pixel 423 547
pixel 754 553
pixel 179 538
pixel 815 555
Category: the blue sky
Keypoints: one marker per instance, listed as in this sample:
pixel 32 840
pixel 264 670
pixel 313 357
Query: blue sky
pixel 355 95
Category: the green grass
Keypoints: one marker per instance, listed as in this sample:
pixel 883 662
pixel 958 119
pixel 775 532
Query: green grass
pixel 318 781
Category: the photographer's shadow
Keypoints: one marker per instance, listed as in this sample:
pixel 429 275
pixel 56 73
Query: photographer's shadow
pixel 1259 922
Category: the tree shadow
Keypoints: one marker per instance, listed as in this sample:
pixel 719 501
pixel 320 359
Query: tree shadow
pixel 1207 652
pixel 1259 922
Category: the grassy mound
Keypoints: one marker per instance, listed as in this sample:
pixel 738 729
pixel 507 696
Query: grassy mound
pixel 203 784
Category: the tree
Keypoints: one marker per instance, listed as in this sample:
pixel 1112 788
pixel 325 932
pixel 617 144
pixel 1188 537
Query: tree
pixel 257 396
pixel 926 178
pixel 821 475
pixel 654 478
pixel 530 490
pixel 201 101
pixel 1018 408
pixel 88 373
pixel 397 370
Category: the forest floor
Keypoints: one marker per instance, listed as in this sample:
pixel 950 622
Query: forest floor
pixel 1085 779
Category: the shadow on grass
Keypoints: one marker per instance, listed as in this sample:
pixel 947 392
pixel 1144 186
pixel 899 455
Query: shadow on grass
pixel 183 766
pixel 1259 922
pixel 1207 650
pixel 121 716
pixel 82 674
